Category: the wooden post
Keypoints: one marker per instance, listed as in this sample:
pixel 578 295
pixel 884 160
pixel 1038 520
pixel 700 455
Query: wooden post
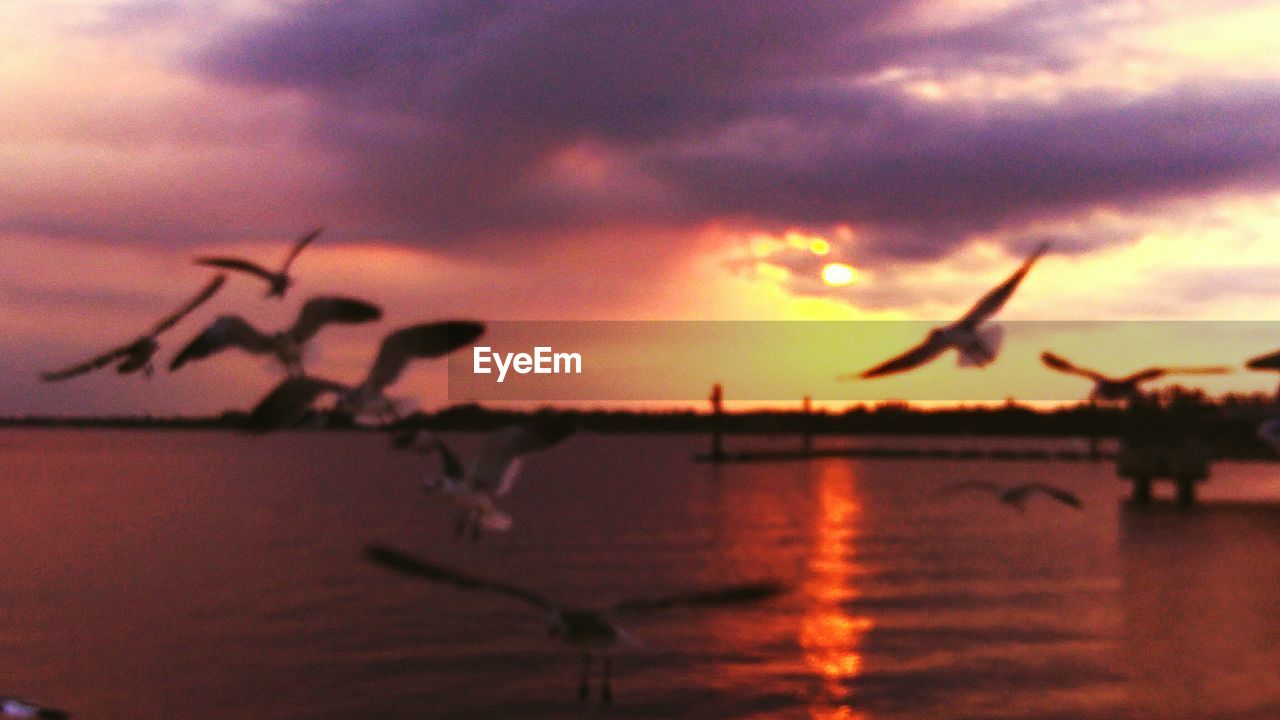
pixel 806 428
pixel 717 422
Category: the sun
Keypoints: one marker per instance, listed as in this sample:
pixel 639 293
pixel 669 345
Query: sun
pixel 837 274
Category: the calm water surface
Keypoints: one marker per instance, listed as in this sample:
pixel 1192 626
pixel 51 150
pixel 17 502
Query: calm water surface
pixel 208 575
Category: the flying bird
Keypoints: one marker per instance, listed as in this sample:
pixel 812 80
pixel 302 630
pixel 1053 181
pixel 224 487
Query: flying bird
pixel 1015 496
pixel 1270 361
pixel 289 401
pixel 136 355
pixel 590 631
pixel 493 473
pixel 1127 387
pixel 234 331
pixel 976 345
pixel 17 708
pixel 278 282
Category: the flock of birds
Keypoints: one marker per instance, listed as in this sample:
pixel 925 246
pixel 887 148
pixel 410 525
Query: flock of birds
pixel 475 489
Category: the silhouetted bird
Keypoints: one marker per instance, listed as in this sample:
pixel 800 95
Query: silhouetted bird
pixel 1015 496
pixel 137 354
pixel 493 474
pixel 977 346
pixel 16 708
pixel 286 345
pixel 587 630
pixel 1123 388
pixel 278 282
pixel 289 401
pixel 1270 361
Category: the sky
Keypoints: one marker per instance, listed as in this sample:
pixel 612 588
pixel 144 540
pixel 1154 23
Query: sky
pixel 618 161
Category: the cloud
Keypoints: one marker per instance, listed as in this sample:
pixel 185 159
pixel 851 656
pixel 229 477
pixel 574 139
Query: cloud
pixel 449 114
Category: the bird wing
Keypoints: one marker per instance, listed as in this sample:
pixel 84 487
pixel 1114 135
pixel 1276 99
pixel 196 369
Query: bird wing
pixel 201 297
pixel 230 263
pixel 1270 361
pixel 498 464
pixel 1058 494
pixel 1144 376
pixel 984 485
pixel 226 331
pixel 448 459
pixel 298 247
pixel 288 401
pixel 427 340
pixel 318 312
pixel 715 597
pixel 19 708
pixel 995 299
pixel 102 360
pixel 393 559
pixel 915 357
pixel 1061 364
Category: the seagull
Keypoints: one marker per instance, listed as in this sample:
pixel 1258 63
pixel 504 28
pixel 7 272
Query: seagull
pixel 16 708
pixel 137 354
pixel 587 630
pixel 1017 495
pixel 278 282
pixel 1270 361
pixel 977 347
pixel 289 401
pixel 286 345
pixel 492 474
pixel 1124 388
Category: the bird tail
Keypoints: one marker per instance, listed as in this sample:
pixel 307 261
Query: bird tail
pixel 982 347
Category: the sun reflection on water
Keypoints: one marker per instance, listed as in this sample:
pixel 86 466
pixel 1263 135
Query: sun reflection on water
pixel 830 635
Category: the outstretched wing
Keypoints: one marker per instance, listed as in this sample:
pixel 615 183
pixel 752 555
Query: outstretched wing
pixel 298 247
pixel 715 597
pixel 452 468
pixel 201 297
pixel 499 461
pixel 913 358
pixel 238 264
pixel 320 311
pixel 428 340
pixel 19 708
pixel 288 402
pixel 1058 494
pixel 227 331
pixel 970 485
pixel 102 360
pixel 1061 364
pixel 393 559
pixel 995 299
pixel 1270 361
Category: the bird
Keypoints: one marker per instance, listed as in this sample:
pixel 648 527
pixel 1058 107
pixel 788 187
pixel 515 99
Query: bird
pixel 1017 495
pixel 137 354
pixel 1123 388
pixel 976 345
pixel 277 282
pixel 286 345
pixel 493 473
pixel 18 708
pixel 590 631
pixel 1270 361
pixel 289 401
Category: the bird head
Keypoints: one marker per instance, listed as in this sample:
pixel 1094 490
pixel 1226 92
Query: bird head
pixel 280 284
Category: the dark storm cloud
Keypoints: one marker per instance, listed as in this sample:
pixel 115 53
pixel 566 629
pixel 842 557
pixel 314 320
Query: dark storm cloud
pixel 447 112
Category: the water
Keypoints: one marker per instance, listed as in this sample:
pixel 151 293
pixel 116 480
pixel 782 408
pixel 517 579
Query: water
pixel 206 575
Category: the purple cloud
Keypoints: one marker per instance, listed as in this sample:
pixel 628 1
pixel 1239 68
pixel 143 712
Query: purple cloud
pixel 445 114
